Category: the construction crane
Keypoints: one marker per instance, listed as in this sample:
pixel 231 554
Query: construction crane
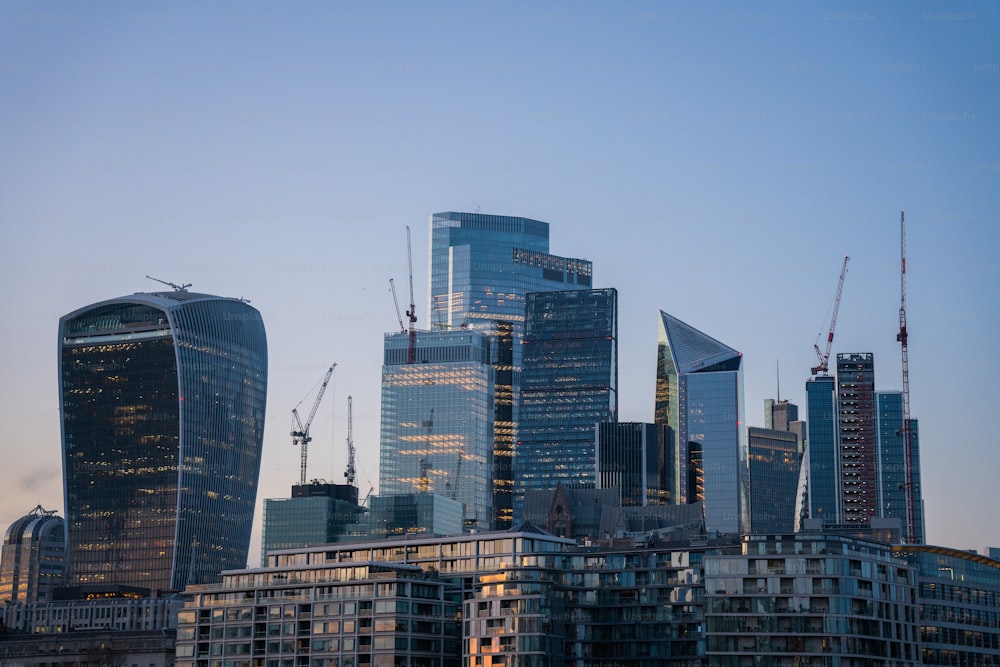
pixel 177 288
pixel 824 357
pixel 911 530
pixel 399 316
pixel 411 357
pixel 349 473
pixel 425 465
pixel 300 436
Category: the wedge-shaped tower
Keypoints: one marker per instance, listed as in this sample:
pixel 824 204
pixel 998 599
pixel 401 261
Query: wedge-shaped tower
pixel 699 402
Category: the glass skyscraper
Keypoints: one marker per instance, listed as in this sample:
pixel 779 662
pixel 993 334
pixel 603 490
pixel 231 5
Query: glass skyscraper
pixel 821 422
pixel 569 383
pixel 162 398
pixel 630 460
pixel 33 556
pixel 481 268
pixel 891 461
pixel 437 419
pixel 699 399
pixel 774 477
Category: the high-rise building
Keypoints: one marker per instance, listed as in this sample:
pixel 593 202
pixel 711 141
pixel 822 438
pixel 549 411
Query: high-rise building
pixel 569 383
pixel 629 459
pixel 34 552
pixel 774 476
pixel 784 416
pixel 699 399
pixel 891 461
pixel 822 458
pixel 317 513
pixel 437 419
pixel 162 398
pixel 481 268
pixel 856 442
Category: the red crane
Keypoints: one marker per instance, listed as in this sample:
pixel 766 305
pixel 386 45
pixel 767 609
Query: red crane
pixel 911 532
pixel 411 357
pixel 824 357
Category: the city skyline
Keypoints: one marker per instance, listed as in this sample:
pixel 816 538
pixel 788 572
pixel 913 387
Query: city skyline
pixel 713 162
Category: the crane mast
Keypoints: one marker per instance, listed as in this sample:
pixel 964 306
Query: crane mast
pixel 824 357
pixel 411 357
pixel 907 430
pixel 349 473
pixel 399 316
pixel 300 435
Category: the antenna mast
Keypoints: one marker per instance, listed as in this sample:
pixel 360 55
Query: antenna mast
pixel 911 531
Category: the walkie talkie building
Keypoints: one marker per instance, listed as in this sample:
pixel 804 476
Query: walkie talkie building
pixel 162 399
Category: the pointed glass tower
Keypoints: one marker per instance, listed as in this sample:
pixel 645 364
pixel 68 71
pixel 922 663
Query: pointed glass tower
pixel 699 401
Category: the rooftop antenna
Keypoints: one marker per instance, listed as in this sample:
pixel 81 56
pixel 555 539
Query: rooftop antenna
pixel 777 377
pixel 177 288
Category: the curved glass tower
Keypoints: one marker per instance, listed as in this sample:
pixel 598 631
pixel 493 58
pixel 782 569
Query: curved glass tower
pixel 32 558
pixel 162 401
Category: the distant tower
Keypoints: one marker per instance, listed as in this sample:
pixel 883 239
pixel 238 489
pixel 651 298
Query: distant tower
pixel 34 551
pixel 699 401
pixel 822 454
pixel 856 443
pixel 774 476
pixel 569 383
pixel 629 459
pixel 481 268
pixel 317 513
pixel 891 461
pixel 162 398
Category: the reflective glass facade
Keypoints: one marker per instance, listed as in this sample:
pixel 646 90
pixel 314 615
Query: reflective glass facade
pixel 823 482
pixel 629 460
pixel 481 267
pixel 437 419
pixel 34 552
pixel 856 442
pixel 699 397
pixel 162 398
pixel 569 383
pixel 774 476
pixel 891 468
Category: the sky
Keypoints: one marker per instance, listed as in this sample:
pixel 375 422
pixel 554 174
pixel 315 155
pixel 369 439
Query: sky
pixel 713 160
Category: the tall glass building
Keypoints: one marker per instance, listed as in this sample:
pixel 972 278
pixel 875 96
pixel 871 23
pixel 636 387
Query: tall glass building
pixel 891 461
pixel 481 268
pixel 629 460
pixel 33 556
pixel 437 419
pixel 821 423
pixel 162 398
pixel 699 399
pixel 774 477
pixel 569 383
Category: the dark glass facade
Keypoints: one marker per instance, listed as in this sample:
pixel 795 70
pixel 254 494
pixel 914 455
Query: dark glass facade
pixel 774 476
pixel 892 461
pixel 481 268
pixel 629 459
pixel 569 383
pixel 162 398
pixel 699 401
pixel 856 425
pixel 34 553
pixel 823 482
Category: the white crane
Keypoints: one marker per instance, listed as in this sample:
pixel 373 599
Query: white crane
pixel 300 436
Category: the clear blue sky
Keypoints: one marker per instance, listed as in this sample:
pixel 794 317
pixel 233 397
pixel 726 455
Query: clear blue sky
pixel 716 161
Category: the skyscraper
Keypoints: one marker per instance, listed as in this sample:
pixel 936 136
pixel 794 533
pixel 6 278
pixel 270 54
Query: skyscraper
pixel 569 383
pixel 774 476
pixel 317 513
pixel 437 419
pixel 162 398
pixel 856 443
pixel 891 461
pixel 699 399
pixel 481 267
pixel 822 455
pixel 34 553
pixel 630 460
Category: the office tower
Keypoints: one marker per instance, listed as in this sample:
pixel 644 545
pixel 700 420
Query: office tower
pixel 481 267
pixel 699 398
pixel 569 383
pixel 891 461
pixel 317 513
pixel 34 552
pixel 821 454
pixel 856 442
pixel 774 476
pixel 162 399
pixel 629 460
pixel 414 514
pixel 437 419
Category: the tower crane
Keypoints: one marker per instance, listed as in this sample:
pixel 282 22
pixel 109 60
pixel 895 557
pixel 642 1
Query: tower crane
pixel 399 316
pixel 176 288
pixel 824 357
pixel 411 357
pixel 300 436
pixel 907 434
pixel 349 473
